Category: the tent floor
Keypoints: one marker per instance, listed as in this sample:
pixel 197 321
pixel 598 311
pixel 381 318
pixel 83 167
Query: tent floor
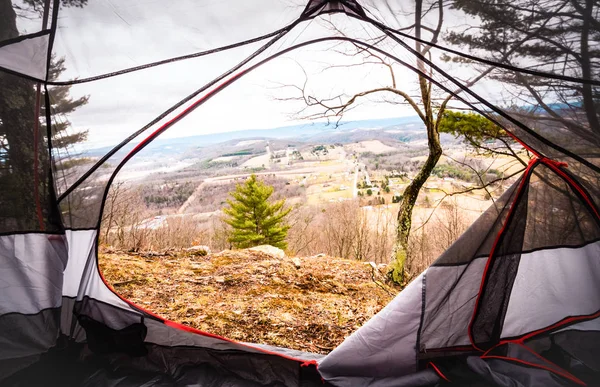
pixel 75 365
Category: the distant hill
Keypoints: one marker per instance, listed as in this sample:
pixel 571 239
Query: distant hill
pixel 394 131
pixel 346 131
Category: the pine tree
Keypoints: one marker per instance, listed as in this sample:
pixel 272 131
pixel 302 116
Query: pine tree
pixel 548 35
pixel 25 181
pixel 254 219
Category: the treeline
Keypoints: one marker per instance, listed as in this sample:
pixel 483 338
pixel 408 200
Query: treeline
pixel 166 195
pixel 212 197
pixel 344 230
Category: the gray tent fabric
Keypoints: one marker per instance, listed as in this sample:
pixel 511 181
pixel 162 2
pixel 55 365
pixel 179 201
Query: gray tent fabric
pixel 27 57
pixel 515 301
pixel 389 338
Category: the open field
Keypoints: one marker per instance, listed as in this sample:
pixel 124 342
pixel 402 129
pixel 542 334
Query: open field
pixel 373 146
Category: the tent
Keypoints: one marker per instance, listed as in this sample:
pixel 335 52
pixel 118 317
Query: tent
pixel 514 302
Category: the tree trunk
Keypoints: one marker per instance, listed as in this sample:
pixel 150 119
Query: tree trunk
pixel 411 193
pixel 409 198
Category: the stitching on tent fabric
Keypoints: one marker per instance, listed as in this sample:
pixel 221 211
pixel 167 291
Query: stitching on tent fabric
pixel 422 318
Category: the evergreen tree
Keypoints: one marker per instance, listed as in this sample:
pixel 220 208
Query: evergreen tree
pixel 254 219
pixel 484 136
pixel 546 35
pixel 25 182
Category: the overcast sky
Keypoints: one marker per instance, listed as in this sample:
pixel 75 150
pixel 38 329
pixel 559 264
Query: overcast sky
pixel 106 36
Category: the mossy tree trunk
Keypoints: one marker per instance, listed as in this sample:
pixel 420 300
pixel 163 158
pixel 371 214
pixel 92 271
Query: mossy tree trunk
pixel 411 192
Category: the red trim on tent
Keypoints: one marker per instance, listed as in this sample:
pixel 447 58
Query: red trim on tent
pixel 170 323
pixel 563 322
pixel 558 370
pixel 524 144
pixel 186 328
pixel 187 110
pixel 567 375
pixel 555 166
pixel 437 371
pixel 527 172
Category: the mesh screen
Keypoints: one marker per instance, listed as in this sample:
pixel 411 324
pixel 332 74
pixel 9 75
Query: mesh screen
pixel 540 120
pixel 115 108
pixel 520 63
pixel 21 18
pixel 500 274
pixel 106 36
pixel 556 216
pixel 26 194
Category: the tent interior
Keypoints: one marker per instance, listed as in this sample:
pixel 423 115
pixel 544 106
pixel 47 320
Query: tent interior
pixel 515 301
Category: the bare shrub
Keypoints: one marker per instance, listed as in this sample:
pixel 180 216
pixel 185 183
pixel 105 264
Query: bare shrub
pixel 218 233
pixel 343 230
pixel 303 235
pixel 126 224
pixel 174 233
pixel 124 212
pixel 428 241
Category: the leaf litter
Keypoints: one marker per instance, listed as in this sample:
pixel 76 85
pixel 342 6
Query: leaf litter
pixel 304 303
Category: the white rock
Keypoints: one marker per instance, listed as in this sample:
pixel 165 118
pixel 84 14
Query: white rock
pixel 296 262
pixel 270 250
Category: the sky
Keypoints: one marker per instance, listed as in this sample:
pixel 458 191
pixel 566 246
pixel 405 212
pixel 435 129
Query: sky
pixel 111 35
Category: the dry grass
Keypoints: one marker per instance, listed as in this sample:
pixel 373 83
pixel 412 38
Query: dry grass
pixel 253 297
pixel 373 146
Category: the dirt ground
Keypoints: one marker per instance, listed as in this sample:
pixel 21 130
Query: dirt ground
pixel 308 304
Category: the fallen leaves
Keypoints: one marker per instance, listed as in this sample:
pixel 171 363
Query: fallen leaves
pixel 308 304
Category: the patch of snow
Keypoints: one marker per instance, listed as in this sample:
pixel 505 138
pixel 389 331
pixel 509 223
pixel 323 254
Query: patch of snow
pixel 248 142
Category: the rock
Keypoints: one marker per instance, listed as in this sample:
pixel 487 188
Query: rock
pixel 198 250
pixel 269 250
pixel 220 280
pixel 320 255
pixel 296 262
pixel 372 264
